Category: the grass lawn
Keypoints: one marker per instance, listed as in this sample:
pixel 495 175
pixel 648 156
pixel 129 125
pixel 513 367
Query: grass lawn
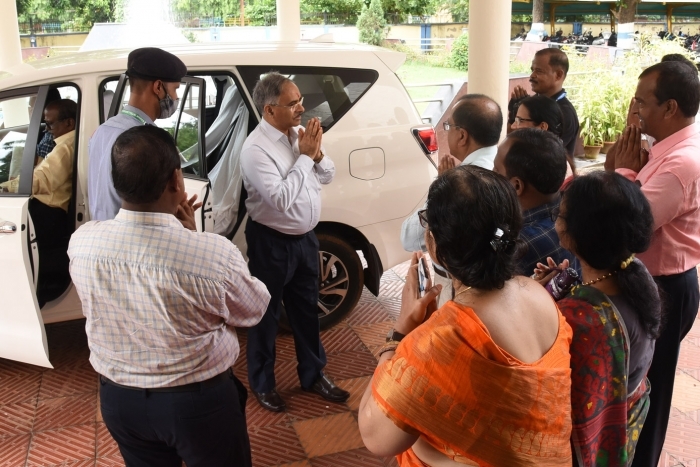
pixel 419 73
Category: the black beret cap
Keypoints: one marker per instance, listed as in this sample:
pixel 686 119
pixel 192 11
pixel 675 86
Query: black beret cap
pixel 152 63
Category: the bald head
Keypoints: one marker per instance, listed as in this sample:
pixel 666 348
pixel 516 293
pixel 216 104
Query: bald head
pixel 480 116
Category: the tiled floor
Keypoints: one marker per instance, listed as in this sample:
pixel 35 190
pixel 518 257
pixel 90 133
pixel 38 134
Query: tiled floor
pixel 51 418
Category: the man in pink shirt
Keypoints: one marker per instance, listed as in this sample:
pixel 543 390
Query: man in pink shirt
pixel 666 101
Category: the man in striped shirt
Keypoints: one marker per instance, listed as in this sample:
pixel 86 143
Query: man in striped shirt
pixel 162 303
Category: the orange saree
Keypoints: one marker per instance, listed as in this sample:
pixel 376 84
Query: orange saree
pixel 452 385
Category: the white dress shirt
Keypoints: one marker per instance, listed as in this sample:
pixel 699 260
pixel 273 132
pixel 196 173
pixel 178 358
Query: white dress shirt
pixel 284 186
pixel 161 301
pixel 412 233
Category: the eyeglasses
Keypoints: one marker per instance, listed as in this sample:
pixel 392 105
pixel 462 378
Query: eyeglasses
pixel 447 126
pixel 520 120
pixel 556 213
pixel 423 218
pixel 50 125
pixel 291 106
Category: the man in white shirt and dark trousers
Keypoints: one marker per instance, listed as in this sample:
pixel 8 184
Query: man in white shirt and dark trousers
pixel 162 303
pixel 473 129
pixel 283 167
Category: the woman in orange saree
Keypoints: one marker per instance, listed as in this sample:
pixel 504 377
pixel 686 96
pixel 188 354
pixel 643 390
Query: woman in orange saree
pixel 484 380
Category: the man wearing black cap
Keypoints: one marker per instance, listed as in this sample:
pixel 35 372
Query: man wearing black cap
pixel 154 77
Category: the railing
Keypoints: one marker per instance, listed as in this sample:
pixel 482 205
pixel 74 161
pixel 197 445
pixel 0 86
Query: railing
pixel 429 44
pixel 197 21
pixel 52 27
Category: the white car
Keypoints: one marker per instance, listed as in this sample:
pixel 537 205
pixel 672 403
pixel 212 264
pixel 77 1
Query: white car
pixel 372 131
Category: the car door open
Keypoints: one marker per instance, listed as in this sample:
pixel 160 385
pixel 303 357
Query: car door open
pixel 22 333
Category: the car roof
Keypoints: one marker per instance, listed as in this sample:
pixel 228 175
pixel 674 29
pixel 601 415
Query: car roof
pixel 194 55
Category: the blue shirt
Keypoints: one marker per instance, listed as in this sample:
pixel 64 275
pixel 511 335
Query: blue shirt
pixel 542 240
pixel 103 200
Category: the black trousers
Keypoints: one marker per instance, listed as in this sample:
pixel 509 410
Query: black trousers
pixel 205 428
pixel 289 267
pixel 682 299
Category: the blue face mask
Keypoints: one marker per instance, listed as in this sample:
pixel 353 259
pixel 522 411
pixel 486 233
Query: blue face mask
pixel 168 106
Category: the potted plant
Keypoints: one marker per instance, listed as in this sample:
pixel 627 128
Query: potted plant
pixel 592 133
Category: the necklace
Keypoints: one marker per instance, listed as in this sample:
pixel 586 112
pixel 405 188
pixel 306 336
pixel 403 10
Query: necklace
pixel 601 278
pixel 460 293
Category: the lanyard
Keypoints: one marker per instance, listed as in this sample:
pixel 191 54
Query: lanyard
pixel 135 115
pixel 563 95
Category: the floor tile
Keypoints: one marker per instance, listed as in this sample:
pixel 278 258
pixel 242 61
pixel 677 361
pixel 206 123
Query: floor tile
pixel 304 463
pixel 77 378
pixel 689 356
pixel 13 450
pixel 391 289
pixel 20 387
pixel 329 435
pixel 17 419
pixel 686 393
pixel 355 458
pixel 392 306
pixel 367 312
pixel 273 445
pixel 683 437
pixel 340 338
pixel 303 405
pixel 109 462
pixel 374 335
pixel 256 416
pixel 351 364
pixel 52 447
pixel 10 368
pixel 66 411
pixel 106 446
pixel 356 387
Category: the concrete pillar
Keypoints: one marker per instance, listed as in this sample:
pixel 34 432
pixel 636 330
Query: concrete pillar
pixel 11 51
pixel 289 20
pixel 489 50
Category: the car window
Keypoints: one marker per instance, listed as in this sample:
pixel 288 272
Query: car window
pixel 328 92
pixel 183 125
pixel 15 113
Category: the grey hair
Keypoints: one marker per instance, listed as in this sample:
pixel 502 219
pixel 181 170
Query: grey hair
pixel 268 89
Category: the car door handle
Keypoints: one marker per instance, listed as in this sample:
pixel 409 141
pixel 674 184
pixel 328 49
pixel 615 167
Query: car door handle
pixel 7 228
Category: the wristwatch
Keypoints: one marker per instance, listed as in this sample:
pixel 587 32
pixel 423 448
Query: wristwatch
pixel 394 335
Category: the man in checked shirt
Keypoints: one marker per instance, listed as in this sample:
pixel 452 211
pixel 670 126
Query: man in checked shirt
pixel 162 303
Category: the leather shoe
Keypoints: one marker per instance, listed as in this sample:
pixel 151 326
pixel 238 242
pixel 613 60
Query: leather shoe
pixel 326 388
pixel 270 401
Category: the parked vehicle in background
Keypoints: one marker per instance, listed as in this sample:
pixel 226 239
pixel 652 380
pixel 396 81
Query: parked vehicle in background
pixel 372 131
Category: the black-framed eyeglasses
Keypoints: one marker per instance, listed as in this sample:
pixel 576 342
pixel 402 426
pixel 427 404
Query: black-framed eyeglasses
pixel 520 120
pixel 555 213
pixel 291 106
pixel 51 124
pixel 447 126
pixel 423 218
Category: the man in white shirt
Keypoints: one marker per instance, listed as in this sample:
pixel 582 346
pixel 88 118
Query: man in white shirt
pixel 473 130
pixel 162 305
pixel 283 167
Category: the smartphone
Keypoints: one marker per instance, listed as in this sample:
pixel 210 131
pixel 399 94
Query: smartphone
pixel 423 276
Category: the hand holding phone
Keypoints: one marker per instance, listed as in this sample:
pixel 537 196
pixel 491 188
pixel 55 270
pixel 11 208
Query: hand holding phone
pixel 423 276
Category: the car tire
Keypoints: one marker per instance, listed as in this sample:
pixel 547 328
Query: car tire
pixel 341 279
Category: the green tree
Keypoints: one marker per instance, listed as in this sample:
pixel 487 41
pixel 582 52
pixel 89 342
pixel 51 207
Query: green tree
pixel 260 11
pixel 400 8
pixel 459 9
pixel 371 23
pixel 459 56
pixel 626 10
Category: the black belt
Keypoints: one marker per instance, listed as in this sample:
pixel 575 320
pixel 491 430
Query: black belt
pixel 192 387
pixel 441 272
pixel 276 233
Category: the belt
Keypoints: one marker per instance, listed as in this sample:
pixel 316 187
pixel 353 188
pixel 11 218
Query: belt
pixel 192 387
pixel 441 272
pixel 276 233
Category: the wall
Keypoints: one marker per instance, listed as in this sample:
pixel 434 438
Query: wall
pixel 269 33
pixel 70 39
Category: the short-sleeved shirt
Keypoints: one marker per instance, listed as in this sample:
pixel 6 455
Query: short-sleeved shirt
pixel 103 200
pixel 570 127
pixel 161 302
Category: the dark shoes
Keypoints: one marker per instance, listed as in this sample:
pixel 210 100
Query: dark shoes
pixel 270 401
pixel 325 388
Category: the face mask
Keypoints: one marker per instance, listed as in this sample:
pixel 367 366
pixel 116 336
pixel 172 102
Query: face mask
pixel 168 106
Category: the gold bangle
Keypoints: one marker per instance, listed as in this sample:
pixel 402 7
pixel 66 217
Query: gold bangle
pixel 388 347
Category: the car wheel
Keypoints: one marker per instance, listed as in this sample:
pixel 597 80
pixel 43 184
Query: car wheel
pixel 341 279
